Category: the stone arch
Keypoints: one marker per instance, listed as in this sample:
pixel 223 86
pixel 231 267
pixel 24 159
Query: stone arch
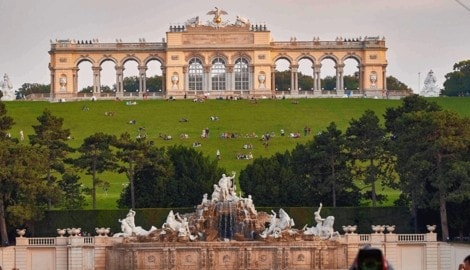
pixel 351 85
pixel 199 56
pixel 130 58
pixel 83 59
pixel 236 56
pixel 353 56
pixel 283 56
pixel 306 56
pixel 213 56
pixel 107 58
pixel 152 58
pixel 329 56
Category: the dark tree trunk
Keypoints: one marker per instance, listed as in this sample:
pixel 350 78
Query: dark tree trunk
pixel 3 224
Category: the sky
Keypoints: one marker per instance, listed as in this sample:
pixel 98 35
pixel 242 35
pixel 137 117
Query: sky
pixel 421 35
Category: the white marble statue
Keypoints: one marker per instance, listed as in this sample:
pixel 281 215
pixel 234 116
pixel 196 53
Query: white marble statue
pixel 7 89
pixel 241 21
pixel 324 226
pixel 430 89
pixel 193 22
pixel 227 190
pixel 128 227
pixel 277 225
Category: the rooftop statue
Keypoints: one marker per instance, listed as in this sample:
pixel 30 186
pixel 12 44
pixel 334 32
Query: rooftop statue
pixel 430 89
pixel 7 89
pixel 217 15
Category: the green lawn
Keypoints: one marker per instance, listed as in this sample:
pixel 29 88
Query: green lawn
pixel 241 117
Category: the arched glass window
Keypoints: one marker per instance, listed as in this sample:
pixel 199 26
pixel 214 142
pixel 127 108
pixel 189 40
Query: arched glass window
pixel 218 74
pixel 195 73
pixel 242 73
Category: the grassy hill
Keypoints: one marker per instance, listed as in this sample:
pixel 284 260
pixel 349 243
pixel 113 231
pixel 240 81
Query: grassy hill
pixel 241 117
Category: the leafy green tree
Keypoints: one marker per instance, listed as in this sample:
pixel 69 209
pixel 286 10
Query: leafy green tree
pixel 328 83
pixel 327 166
pixel 283 80
pixel 406 142
pixel 132 153
pixel 34 88
pixel 22 193
pixel 305 81
pixel 445 140
pixel 72 188
pixel 103 88
pixel 395 84
pixel 154 83
pixel 458 81
pixel 52 138
pixel 96 157
pixel 366 143
pixel 151 178
pixel 351 82
pixel 272 182
pixel 131 84
pixel 194 174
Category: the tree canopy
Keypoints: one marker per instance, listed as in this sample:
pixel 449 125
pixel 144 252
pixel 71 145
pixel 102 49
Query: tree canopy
pixel 457 82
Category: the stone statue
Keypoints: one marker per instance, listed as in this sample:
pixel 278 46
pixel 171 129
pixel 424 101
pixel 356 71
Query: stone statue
pixel 6 88
pixel 324 227
pixel 277 225
pixel 193 22
pixel 128 227
pixel 226 184
pixel 241 21
pixel 63 83
pixel 430 89
pixel 373 80
pixel 217 15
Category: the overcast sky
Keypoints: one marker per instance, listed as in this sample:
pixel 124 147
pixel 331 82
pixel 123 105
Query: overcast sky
pixel 420 34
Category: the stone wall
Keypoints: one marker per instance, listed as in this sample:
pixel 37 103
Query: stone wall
pixel 403 251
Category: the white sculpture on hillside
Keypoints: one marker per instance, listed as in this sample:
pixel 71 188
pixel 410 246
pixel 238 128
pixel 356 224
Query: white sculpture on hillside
pixel 430 89
pixel 7 89
pixel 226 187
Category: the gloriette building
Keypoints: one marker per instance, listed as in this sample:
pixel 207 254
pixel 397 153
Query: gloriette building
pixel 219 58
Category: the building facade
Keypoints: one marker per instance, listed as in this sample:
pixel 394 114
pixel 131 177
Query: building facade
pixel 219 59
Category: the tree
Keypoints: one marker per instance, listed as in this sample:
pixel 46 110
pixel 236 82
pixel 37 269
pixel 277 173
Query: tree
pixel 131 84
pixel 395 84
pixel 52 138
pixel 72 189
pixel 151 178
pixel 365 140
pixel 272 183
pixel 154 83
pixel 458 81
pixel 445 140
pixel 96 157
pixel 327 164
pixel 406 142
pixel 34 88
pixel 194 174
pixel 22 189
pixel 131 153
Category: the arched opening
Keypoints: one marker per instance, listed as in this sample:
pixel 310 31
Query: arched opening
pixel 351 76
pixel 328 76
pixel 85 77
pixel 108 76
pixel 154 77
pixel 131 78
pixel 241 71
pixel 305 75
pixel 195 74
pixel 218 75
pixel 282 75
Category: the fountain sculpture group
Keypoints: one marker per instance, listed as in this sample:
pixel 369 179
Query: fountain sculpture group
pixel 227 216
pixel 227 232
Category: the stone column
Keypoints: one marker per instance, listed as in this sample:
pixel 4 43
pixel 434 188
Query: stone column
pixel 230 83
pixel 206 85
pixel 273 79
pixel 352 241
pixel 432 252
pixel 186 79
pixel 391 248
pixel 96 79
pixel 339 79
pixel 384 77
pixel 294 79
pixel 143 79
pixel 361 79
pixel 75 80
pixel 119 79
pixel 317 79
